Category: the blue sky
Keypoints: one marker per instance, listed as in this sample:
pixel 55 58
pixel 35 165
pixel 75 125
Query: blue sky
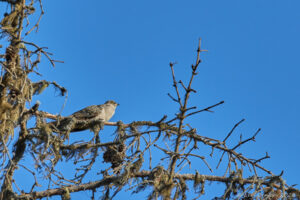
pixel 121 49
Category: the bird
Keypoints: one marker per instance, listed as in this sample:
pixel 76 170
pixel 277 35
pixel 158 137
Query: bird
pixel 104 111
pixel 92 117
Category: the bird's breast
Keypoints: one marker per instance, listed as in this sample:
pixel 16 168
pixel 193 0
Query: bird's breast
pixel 109 112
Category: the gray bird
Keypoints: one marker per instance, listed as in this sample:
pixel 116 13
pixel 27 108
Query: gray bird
pixel 104 111
pixel 91 117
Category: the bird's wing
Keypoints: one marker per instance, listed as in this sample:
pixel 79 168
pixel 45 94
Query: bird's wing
pixel 88 112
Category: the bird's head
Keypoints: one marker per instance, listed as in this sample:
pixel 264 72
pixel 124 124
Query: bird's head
pixel 111 102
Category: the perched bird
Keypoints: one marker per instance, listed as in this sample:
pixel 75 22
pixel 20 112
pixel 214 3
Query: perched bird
pixel 104 111
pixel 91 117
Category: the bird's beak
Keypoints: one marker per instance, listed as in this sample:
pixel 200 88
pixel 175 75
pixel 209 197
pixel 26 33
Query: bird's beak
pixel 118 104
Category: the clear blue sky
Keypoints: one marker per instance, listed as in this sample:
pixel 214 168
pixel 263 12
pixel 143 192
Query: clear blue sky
pixel 121 49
